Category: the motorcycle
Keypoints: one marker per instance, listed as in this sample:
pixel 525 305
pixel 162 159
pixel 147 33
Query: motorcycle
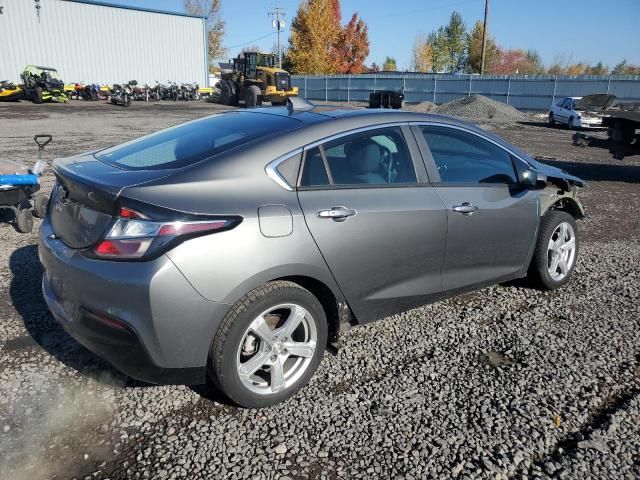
pixel 86 92
pixel 171 91
pixel 141 93
pixel 189 91
pixel 155 93
pixel 122 94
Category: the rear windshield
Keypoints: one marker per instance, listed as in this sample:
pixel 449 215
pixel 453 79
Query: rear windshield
pixel 191 142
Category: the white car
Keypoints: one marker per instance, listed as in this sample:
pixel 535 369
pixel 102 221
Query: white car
pixel 580 112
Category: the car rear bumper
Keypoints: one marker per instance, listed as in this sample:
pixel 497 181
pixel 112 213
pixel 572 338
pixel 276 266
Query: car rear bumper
pixel 142 317
pixel 120 346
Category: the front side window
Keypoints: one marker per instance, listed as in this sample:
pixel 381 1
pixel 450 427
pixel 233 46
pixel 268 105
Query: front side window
pixel 376 157
pixel 463 157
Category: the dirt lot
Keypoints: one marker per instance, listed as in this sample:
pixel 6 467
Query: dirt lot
pixel 507 382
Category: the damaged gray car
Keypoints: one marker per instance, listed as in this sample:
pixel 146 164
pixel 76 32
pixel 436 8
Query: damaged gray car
pixel 236 247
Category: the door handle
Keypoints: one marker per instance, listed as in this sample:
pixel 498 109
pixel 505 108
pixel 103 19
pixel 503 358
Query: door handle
pixel 339 214
pixel 466 208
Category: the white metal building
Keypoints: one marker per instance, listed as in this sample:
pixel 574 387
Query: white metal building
pixel 93 41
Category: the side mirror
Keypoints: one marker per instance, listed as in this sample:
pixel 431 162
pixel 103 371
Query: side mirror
pixel 533 179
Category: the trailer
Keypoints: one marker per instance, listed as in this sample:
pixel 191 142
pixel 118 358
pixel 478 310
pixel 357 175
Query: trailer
pixel 622 127
pixel 622 123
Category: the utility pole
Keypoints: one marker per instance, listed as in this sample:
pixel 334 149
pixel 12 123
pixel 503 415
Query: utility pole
pixel 484 36
pixel 278 23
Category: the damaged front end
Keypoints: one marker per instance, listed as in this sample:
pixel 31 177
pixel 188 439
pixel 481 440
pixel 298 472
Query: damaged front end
pixel 591 108
pixel 561 192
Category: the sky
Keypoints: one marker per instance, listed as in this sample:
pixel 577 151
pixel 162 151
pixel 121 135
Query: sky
pixel 570 31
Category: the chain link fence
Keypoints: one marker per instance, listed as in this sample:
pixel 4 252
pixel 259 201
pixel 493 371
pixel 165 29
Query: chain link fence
pixel 522 92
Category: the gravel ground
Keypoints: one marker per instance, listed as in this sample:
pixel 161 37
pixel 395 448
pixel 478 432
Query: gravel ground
pixel 506 382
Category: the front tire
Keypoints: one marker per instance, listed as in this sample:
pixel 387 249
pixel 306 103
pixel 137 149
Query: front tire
pixel 554 258
pixel 269 345
pixel 227 97
pixel 24 219
pixel 37 95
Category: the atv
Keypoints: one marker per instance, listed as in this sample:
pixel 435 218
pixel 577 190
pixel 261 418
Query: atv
pixel 42 84
pixel 10 92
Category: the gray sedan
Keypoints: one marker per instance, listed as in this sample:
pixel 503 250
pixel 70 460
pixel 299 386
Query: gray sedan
pixel 236 247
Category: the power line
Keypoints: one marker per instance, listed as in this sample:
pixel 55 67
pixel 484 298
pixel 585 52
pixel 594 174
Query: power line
pixel 251 41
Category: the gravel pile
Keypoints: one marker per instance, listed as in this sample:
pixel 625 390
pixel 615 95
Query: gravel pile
pixel 507 382
pixel 422 107
pixel 480 109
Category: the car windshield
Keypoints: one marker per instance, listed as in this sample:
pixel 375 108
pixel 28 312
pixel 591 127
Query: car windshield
pixel 192 142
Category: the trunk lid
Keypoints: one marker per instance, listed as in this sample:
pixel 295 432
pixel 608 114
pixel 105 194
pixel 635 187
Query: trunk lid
pixel 84 198
pixel 597 102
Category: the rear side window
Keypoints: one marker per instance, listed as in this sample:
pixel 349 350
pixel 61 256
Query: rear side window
pixel 466 158
pixel 192 142
pixel 377 157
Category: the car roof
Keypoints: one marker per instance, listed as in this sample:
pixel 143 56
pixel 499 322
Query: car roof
pixel 358 115
pixel 322 122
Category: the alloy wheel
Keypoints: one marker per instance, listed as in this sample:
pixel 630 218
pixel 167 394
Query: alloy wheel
pixel 276 349
pixel 561 251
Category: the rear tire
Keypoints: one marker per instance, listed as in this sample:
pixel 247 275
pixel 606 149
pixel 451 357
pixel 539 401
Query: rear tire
pixel 37 95
pixel 24 219
pixel 269 348
pixel 552 121
pixel 547 272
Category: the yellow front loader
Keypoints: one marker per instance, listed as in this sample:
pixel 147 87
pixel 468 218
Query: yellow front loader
pixel 255 79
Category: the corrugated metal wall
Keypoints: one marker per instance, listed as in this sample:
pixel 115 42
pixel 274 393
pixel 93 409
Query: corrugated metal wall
pixel 95 43
pixel 524 92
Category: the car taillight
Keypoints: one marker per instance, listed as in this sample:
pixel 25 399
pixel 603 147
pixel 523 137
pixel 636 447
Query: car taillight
pixel 134 236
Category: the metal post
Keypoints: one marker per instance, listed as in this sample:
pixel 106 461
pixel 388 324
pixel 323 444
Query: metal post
pixel 470 80
pixel 305 87
pixel 404 83
pixel 326 88
pixel 508 89
pixel 555 82
pixel 278 24
pixel 374 81
pixel 484 36
pixel 435 85
pixel 608 84
pixel 348 88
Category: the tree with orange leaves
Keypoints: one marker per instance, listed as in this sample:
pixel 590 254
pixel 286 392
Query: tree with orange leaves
pixel 319 44
pixel 352 46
